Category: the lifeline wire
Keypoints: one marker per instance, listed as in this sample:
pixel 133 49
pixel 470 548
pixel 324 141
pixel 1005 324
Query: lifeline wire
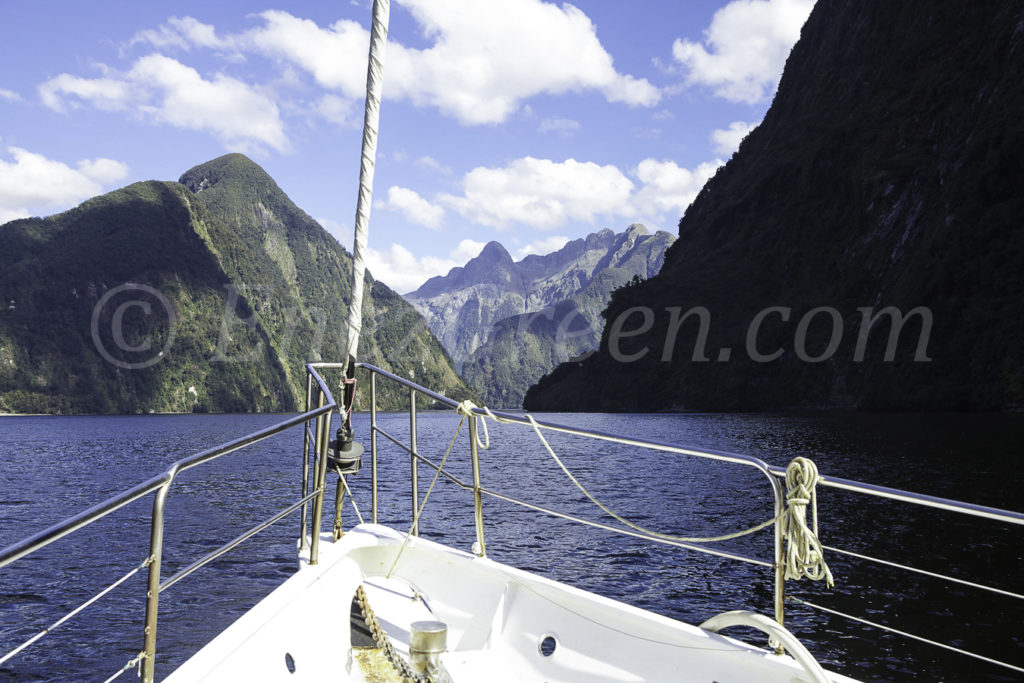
pixel 132 663
pixel 595 501
pixel 804 556
pixel 464 409
pixel 75 611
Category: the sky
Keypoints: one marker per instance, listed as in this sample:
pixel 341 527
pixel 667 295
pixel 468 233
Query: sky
pixel 527 122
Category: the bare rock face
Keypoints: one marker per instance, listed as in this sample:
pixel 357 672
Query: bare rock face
pixel 491 294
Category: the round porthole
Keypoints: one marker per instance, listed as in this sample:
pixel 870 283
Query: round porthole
pixel 289 662
pixel 547 645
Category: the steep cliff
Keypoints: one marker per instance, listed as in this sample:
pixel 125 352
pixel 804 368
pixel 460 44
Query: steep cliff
pixel 861 249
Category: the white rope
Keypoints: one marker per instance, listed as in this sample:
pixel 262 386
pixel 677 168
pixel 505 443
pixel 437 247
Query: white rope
pixel 132 663
pixel 75 611
pixel 371 121
pixel 804 554
pixel 465 409
pixel 605 508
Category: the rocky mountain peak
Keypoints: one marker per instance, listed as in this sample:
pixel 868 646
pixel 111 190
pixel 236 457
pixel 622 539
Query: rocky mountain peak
pixel 637 229
pixel 463 306
pixel 234 169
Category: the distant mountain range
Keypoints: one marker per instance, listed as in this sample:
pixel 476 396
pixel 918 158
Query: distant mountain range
pixel 506 323
pixel 863 248
pixel 206 294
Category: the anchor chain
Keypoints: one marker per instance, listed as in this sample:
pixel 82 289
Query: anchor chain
pixel 383 642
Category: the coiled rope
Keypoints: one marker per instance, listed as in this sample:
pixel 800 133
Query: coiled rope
pixel 804 554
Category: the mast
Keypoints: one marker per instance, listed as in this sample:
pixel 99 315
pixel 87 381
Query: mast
pixel 371 117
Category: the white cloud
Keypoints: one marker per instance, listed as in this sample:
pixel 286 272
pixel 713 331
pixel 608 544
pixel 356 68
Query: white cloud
pixel 31 183
pixel 182 33
pixel 9 95
pixel 557 124
pixel 545 194
pixel 415 208
pixel 541 193
pixel 399 269
pixel 467 249
pixel 336 110
pixel 109 94
pixel 744 48
pixel 727 140
pixel 434 165
pixel 543 246
pixel 489 57
pixel 334 56
pixel 164 91
pixel 485 60
pixel 668 188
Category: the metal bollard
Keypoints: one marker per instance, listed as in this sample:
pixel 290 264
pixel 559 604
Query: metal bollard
pixel 427 640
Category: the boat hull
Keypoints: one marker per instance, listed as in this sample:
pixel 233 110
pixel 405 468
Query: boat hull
pixel 497 616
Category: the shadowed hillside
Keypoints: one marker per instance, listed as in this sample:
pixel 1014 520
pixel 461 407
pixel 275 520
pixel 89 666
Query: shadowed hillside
pixel 885 183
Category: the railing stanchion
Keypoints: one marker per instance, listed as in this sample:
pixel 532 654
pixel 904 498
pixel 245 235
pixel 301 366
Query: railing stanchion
pixel 415 473
pixel 156 544
pixel 478 506
pixel 320 477
pixel 373 446
pixel 305 461
pixel 780 558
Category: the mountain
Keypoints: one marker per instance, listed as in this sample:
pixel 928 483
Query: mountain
pixel 507 323
pixel 522 348
pixel 862 249
pixel 208 294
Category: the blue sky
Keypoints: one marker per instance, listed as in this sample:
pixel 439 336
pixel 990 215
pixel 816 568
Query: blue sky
pixel 518 120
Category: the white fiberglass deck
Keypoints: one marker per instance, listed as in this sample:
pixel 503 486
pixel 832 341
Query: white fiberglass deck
pixel 496 615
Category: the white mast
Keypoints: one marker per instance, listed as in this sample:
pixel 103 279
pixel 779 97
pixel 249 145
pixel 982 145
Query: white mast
pixel 374 85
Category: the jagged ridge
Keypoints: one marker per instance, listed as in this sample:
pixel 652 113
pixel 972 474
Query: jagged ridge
pixel 510 322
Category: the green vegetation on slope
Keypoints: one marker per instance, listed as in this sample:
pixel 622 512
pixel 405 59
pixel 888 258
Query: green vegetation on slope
pixel 222 273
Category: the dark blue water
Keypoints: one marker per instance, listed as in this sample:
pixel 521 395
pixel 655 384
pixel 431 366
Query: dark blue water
pixel 52 467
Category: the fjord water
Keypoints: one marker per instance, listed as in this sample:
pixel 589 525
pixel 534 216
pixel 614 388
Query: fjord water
pixel 53 467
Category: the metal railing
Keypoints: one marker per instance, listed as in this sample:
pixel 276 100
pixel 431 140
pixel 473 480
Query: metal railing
pixel 774 474
pixel 320 403
pixel 316 392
